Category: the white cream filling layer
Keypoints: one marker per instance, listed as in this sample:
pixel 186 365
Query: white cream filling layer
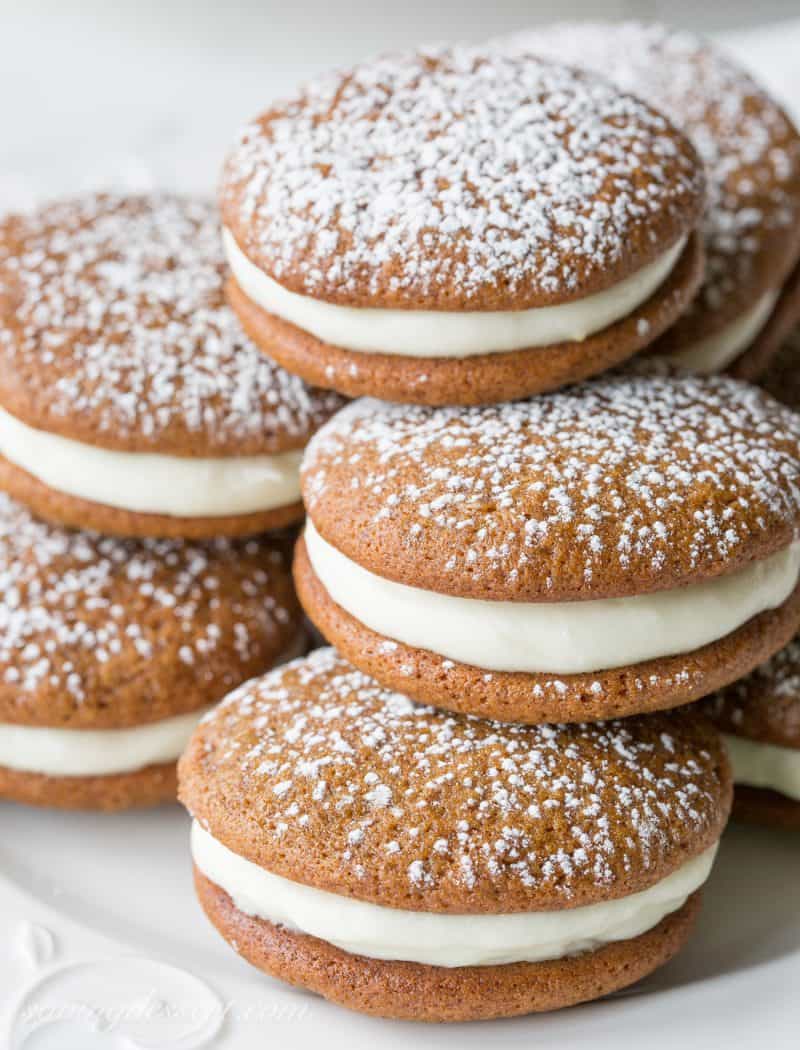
pixel 150 483
pixel 761 765
pixel 436 939
pixel 95 752
pixel 555 637
pixel 717 351
pixel 442 333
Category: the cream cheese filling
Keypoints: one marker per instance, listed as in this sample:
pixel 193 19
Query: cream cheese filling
pixel 436 939
pixel 760 765
pixel 555 637
pixel 95 752
pixel 718 350
pixel 151 483
pixel 441 333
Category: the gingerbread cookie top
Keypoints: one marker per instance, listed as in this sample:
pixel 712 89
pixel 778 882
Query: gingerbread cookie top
pixel 98 632
pixel 749 146
pixel 115 307
pixel 628 484
pixel 318 774
pixel 765 705
pixel 459 179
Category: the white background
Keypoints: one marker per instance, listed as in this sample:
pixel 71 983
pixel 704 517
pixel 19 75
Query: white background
pixel 136 94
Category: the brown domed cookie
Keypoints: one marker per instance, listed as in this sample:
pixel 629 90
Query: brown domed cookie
pixel 631 483
pixel 161 418
pixel 620 546
pixel 489 378
pixel 413 992
pixel 317 783
pixel 111 649
pixel 313 769
pixel 427 212
pixel 751 151
pixel 654 685
pixel 760 718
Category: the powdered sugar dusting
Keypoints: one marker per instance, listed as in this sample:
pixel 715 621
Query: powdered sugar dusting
pixel 750 150
pixel 83 616
pixel 457 173
pixel 468 803
pixel 115 305
pixel 631 477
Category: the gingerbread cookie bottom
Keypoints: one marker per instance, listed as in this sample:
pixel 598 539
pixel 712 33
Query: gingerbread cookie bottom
pixel 485 378
pixel 138 789
pixel 417 992
pixel 785 317
pixel 769 808
pixel 531 698
pixel 60 508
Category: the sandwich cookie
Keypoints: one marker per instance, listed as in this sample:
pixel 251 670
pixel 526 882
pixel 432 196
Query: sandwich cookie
pixel 751 150
pixel 460 227
pixel 760 719
pixel 131 402
pixel 614 548
pixel 111 650
pixel 409 863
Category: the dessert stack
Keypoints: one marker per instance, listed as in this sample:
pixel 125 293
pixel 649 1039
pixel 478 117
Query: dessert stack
pixel 550 545
pixel 760 714
pixel 143 439
pixel 750 298
pixel 745 315
pixel 532 539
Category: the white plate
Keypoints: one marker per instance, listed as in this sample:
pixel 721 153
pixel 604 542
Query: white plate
pixel 105 948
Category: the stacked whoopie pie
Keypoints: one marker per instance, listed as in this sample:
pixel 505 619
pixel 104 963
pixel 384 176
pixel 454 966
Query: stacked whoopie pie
pixel 131 401
pixel 492 798
pixel 132 405
pixel 380 244
pixel 760 715
pixel 750 298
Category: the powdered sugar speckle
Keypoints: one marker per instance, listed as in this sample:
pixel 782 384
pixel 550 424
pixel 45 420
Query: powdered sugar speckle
pixel 115 305
pixel 85 617
pixel 457 175
pixel 475 804
pixel 636 476
pixel 748 146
